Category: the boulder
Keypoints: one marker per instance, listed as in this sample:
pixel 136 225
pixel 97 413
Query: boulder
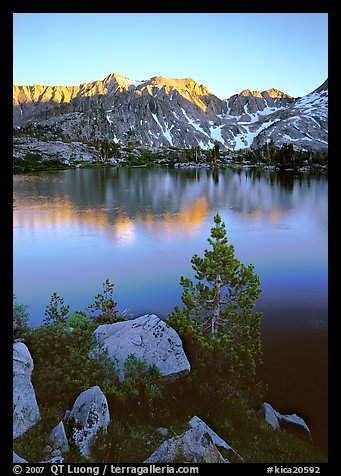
pixel 54 460
pixel 149 339
pixel 59 439
pixel 18 459
pixel 89 414
pixel 293 422
pixel 163 431
pixel 271 416
pixel 25 407
pixel 219 442
pixel 193 446
pixel 52 455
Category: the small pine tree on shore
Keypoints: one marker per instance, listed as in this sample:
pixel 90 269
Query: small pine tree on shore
pixel 217 321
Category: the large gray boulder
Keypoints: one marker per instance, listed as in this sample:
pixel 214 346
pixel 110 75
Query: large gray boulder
pixel 59 439
pixel 293 423
pixel 192 446
pixel 219 442
pixel 149 339
pixel 25 407
pixel 89 414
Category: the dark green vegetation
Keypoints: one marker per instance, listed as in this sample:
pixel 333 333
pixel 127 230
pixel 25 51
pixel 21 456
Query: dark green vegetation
pixel 221 337
pixel 111 153
pixel 285 157
pixel 217 324
pixel 33 162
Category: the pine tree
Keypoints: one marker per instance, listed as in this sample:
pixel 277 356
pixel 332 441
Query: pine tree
pixel 218 310
pixel 104 308
pixel 56 311
pixel 215 154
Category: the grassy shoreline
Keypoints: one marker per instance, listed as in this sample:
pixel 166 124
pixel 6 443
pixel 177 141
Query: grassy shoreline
pixel 139 405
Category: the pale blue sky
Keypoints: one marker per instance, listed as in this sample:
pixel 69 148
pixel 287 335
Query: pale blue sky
pixel 227 52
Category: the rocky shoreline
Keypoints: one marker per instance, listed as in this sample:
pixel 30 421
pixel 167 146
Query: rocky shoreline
pixel 34 154
pixel 151 339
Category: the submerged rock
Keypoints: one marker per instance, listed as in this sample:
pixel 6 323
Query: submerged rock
pixel 25 407
pixel 149 339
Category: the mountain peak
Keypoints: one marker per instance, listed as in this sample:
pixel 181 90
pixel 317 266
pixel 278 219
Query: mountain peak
pixel 272 93
pixel 249 92
pixel 275 93
pixel 118 78
pixel 178 84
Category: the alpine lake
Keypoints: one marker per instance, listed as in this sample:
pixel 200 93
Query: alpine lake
pixel 140 226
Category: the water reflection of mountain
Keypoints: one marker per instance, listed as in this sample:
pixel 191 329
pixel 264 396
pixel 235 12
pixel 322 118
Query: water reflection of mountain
pixel 176 197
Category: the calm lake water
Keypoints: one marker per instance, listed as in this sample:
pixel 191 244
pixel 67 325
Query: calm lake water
pixel 140 227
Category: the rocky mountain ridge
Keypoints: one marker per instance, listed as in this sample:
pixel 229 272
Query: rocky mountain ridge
pixel 167 112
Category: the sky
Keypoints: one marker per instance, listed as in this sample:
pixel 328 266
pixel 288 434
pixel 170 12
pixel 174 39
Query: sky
pixel 227 52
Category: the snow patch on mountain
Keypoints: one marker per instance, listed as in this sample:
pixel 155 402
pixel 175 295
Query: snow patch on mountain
pixel 178 112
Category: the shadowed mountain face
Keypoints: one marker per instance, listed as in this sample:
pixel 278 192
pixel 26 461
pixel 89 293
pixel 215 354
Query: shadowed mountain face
pixel 174 112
